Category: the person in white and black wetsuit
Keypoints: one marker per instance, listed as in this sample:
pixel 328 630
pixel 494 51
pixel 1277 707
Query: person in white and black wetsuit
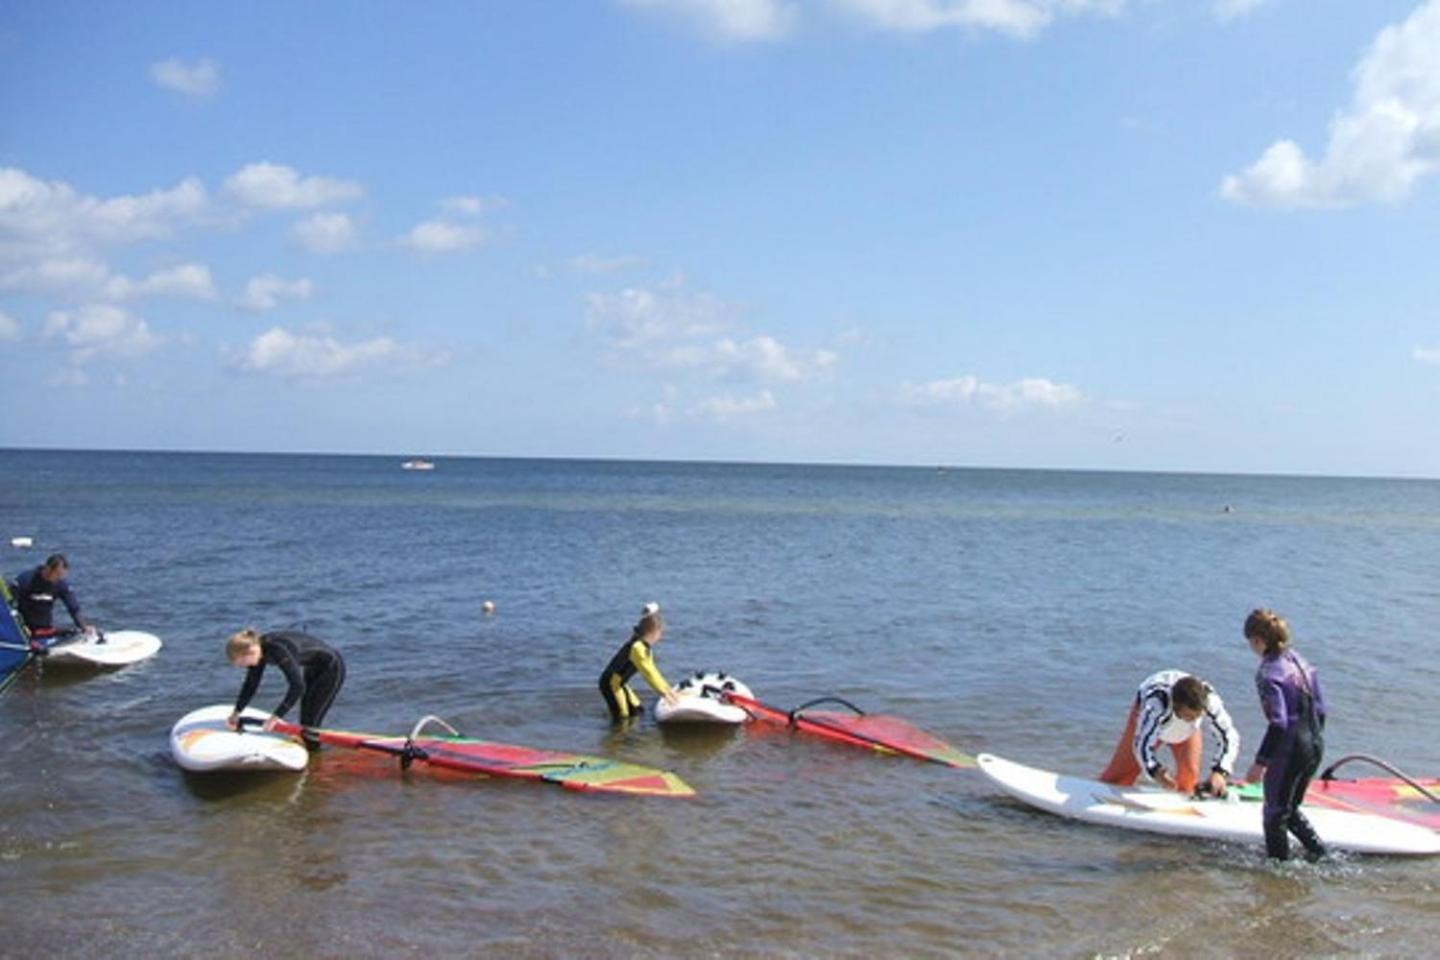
pixel 36 591
pixel 314 670
pixel 1170 707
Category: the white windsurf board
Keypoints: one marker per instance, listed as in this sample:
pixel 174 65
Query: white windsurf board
pixel 116 648
pixel 1164 811
pixel 201 742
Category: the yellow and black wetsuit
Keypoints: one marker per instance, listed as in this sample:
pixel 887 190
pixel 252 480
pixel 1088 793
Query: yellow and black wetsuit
pixel 633 656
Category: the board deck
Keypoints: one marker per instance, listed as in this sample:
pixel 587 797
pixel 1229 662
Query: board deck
pixel 701 701
pixel 116 648
pixel 1231 819
pixel 201 742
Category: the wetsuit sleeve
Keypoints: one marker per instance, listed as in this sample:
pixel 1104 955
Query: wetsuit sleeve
pixel 1272 702
pixel 1147 728
pixel 251 684
pixel 293 675
pixel 644 661
pixel 67 597
pixel 1227 738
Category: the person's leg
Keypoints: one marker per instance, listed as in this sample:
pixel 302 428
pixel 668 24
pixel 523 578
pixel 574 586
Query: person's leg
pixel 1123 770
pixel 612 702
pixel 1299 824
pixel 1276 813
pixel 1188 754
pixel 320 692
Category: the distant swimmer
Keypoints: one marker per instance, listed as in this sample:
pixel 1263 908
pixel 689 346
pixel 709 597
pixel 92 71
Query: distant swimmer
pixel 1294 743
pixel 488 607
pixel 636 655
pixel 1227 509
pixel 314 670
pixel 1169 708
pixel 36 591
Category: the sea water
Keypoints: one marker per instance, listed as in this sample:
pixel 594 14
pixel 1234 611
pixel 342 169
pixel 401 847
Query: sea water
pixel 1008 611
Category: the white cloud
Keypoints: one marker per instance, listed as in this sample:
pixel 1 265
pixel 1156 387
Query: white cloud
pixel 1234 9
pixel 1427 354
pixel 761 358
pixel 326 233
pixel 72 276
pixel 84 278
pixel 472 206
pixel 727 407
pixel 9 328
pixel 198 79
pixel 638 316
pixel 730 20
pixel 964 391
pixel 594 263
pixel 1386 140
pixel 1018 18
pixel 264 292
pixel 100 330
pixel 440 236
pixel 274 186
pixel 280 353
pixel 188 281
pixel 40 219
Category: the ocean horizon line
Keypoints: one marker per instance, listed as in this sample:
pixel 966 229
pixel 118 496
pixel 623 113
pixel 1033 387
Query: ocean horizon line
pixel 721 462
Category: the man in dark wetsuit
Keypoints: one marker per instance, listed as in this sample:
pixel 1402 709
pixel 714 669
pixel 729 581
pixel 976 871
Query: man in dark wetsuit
pixel 36 591
pixel 314 670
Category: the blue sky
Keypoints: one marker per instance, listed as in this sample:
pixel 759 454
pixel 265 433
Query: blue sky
pixel 1110 234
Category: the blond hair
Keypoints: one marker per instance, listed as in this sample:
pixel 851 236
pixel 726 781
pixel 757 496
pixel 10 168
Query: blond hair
pixel 242 643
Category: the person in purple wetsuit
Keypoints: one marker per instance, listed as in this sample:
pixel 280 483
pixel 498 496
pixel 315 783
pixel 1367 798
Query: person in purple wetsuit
pixel 1294 741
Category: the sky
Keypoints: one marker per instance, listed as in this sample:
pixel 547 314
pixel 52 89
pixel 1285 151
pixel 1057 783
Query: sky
pixel 1172 235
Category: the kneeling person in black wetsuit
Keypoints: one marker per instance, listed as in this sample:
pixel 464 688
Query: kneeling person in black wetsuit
pixel 314 670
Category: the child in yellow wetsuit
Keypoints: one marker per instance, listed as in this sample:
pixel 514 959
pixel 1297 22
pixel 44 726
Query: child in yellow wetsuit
pixel 635 655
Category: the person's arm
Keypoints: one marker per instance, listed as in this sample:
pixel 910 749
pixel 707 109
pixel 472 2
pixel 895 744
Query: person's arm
pixel 1147 727
pixel 1227 738
pixel 1272 702
pixel 644 661
pixel 294 676
pixel 248 688
pixel 72 605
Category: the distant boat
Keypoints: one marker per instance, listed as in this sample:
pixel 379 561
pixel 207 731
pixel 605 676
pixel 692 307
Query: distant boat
pixel 417 464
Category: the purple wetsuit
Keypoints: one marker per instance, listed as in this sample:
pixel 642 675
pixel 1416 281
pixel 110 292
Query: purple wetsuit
pixel 1294 742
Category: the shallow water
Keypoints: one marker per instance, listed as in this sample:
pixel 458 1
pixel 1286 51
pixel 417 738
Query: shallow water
pixel 1007 611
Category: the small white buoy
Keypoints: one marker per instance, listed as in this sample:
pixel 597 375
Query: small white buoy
pixel 22 541
pixel 652 608
pixel 488 607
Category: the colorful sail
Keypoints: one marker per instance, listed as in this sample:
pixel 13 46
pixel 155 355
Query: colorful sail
pixel 1401 797
pixel 875 731
pixel 14 639
pixel 570 770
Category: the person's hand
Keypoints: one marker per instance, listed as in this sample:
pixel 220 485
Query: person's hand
pixel 1255 774
pixel 1217 784
pixel 671 697
pixel 233 721
pixel 269 723
pixel 1166 780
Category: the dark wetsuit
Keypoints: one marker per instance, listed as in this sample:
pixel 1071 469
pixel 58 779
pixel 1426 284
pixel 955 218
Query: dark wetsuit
pixel 314 670
pixel 1294 742
pixel 633 656
pixel 35 597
